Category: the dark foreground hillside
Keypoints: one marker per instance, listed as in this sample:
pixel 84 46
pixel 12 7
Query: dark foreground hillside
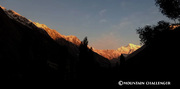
pixel 157 61
pixel 30 56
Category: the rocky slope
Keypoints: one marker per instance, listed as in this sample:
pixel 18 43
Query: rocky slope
pixel 61 39
pixel 55 35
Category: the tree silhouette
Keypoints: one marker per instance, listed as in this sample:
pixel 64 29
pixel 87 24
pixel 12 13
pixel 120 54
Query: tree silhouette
pixel 85 60
pixel 88 67
pixel 122 60
pixel 85 41
pixel 148 34
pixel 169 8
pixel 83 51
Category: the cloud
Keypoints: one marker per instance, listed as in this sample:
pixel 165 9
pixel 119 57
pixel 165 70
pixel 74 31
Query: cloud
pixel 102 12
pixel 123 24
pixel 102 21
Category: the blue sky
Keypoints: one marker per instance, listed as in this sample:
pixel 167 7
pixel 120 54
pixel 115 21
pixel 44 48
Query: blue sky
pixel 108 24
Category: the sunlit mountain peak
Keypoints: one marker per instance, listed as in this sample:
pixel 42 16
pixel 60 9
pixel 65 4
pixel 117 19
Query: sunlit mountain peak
pixel 43 26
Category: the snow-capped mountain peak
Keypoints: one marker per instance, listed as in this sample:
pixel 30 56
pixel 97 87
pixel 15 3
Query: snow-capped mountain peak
pixel 128 49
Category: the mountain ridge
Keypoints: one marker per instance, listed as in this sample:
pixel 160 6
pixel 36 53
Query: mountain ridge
pixel 64 40
pixel 33 55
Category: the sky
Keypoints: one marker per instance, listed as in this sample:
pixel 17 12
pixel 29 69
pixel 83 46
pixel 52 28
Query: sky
pixel 108 24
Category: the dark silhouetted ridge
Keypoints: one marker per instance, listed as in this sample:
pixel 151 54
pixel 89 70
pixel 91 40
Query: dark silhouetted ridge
pixel 30 55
